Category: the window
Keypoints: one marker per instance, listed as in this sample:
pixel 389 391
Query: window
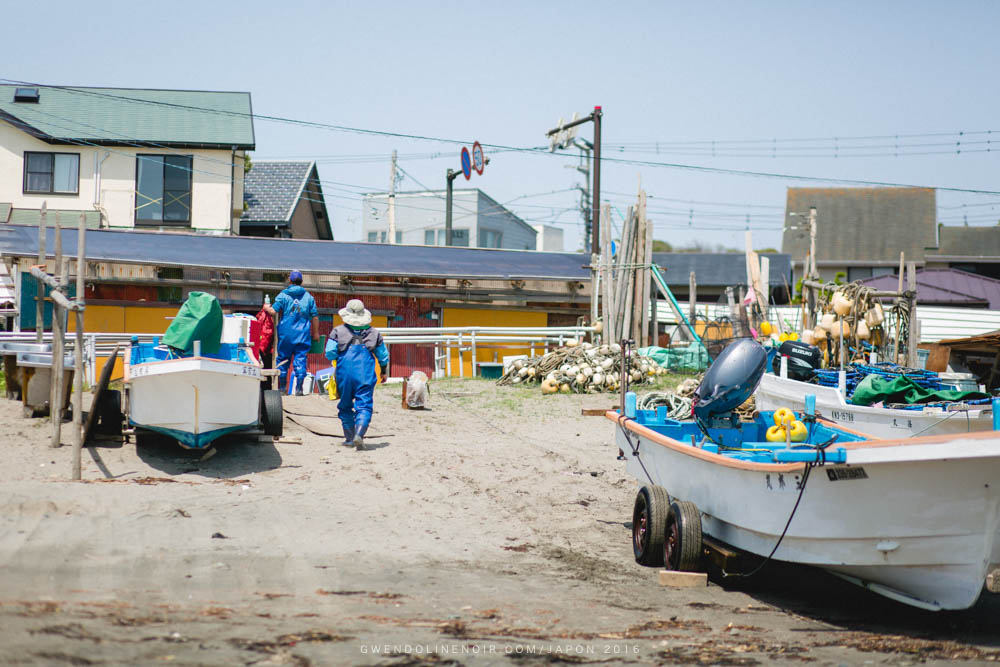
pixel 429 237
pixel 490 239
pixel 163 189
pixel 372 237
pixel 399 237
pixel 459 237
pixel 381 237
pixel 52 173
pixel 858 273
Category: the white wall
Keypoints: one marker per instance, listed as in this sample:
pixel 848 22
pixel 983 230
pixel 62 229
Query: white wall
pixel 214 196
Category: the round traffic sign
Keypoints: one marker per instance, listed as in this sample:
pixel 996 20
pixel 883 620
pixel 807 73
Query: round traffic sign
pixel 478 161
pixel 466 163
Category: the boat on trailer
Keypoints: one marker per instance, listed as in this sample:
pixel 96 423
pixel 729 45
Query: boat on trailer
pixel 197 397
pixel 775 391
pixel 914 519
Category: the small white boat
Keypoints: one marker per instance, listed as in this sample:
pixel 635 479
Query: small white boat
pixel 915 519
pixel 198 397
pixel 775 392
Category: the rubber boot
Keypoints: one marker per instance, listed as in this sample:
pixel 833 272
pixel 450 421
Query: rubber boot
pixel 359 438
pixel 348 436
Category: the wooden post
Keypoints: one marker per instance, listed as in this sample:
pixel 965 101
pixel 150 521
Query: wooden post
pixel 621 269
pixel 913 333
pixel 81 269
pixel 895 344
pixel 764 285
pixel 40 296
pixel 643 273
pixel 607 279
pixel 58 341
pixel 647 277
pixel 692 298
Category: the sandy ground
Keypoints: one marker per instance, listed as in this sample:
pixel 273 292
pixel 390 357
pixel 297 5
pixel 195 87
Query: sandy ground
pixel 493 528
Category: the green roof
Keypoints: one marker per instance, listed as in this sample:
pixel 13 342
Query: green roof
pixel 110 116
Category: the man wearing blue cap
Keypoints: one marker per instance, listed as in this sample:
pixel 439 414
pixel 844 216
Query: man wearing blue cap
pixel 297 327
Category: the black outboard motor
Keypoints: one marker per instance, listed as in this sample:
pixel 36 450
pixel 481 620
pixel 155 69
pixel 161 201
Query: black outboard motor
pixel 731 379
pixel 803 359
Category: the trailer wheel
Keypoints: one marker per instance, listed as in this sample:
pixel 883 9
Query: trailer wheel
pixel 109 412
pixel 682 546
pixel 272 417
pixel 649 519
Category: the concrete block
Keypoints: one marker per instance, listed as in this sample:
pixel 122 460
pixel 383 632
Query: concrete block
pixel 683 579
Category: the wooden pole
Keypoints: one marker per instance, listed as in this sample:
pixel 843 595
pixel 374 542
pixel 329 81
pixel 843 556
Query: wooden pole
pixel 692 298
pixel 81 269
pixel 642 274
pixel 40 296
pixel 895 344
pixel 647 277
pixel 913 331
pixel 624 253
pixel 56 374
pixel 607 286
pixel 764 284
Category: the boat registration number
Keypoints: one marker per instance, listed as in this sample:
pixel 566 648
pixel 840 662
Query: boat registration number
pixel 839 474
pixel 252 371
pixel 842 416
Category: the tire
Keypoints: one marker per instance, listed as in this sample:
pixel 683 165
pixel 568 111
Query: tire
pixel 682 545
pixel 272 415
pixel 649 520
pixel 109 412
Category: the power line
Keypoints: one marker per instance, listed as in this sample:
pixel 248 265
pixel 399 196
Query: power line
pixel 539 150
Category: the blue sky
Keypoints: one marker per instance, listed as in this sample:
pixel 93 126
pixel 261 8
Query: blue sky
pixel 665 73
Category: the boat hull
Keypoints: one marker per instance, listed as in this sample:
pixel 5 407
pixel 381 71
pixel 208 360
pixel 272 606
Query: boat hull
pixel 194 400
pixel 776 392
pixel 902 520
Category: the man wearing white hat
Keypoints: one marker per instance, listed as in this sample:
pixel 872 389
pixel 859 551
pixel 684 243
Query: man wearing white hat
pixel 355 346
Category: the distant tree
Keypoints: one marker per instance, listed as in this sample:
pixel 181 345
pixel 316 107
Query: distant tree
pixel 766 250
pixel 662 246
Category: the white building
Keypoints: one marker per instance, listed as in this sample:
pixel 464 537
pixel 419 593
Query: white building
pixel 478 221
pixel 126 158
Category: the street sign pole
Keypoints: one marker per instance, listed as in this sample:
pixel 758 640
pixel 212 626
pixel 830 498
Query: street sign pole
pixel 451 176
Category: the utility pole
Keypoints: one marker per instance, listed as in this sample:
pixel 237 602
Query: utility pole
pixel 595 202
pixel 392 199
pixel 810 272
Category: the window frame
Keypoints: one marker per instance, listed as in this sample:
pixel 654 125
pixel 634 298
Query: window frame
pixel 162 157
pixel 24 183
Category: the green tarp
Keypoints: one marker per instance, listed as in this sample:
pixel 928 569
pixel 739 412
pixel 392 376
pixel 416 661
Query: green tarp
pixel 875 388
pixel 200 318
pixel 694 357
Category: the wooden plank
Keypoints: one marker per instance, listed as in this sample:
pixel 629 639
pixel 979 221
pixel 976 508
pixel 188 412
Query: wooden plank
pixel 937 358
pixel 642 275
pixel 678 579
pixel 595 412
pixel 607 286
pixel 102 384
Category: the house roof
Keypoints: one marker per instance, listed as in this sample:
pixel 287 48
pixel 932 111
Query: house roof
pixel 272 190
pixel 967 242
pixel 719 269
pixel 947 287
pixel 861 224
pixel 130 116
pixel 310 256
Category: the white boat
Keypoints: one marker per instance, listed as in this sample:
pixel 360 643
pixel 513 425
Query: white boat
pixel 198 397
pixel 913 519
pixel 776 392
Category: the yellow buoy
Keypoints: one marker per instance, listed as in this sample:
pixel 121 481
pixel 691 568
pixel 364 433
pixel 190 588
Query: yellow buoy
pixel 775 434
pixel 798 431
pixel 783 416
pixel 766 328
pixel 793 336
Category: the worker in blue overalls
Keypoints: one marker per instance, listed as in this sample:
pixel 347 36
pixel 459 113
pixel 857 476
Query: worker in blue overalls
pixel 298 326
pixel 355 346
